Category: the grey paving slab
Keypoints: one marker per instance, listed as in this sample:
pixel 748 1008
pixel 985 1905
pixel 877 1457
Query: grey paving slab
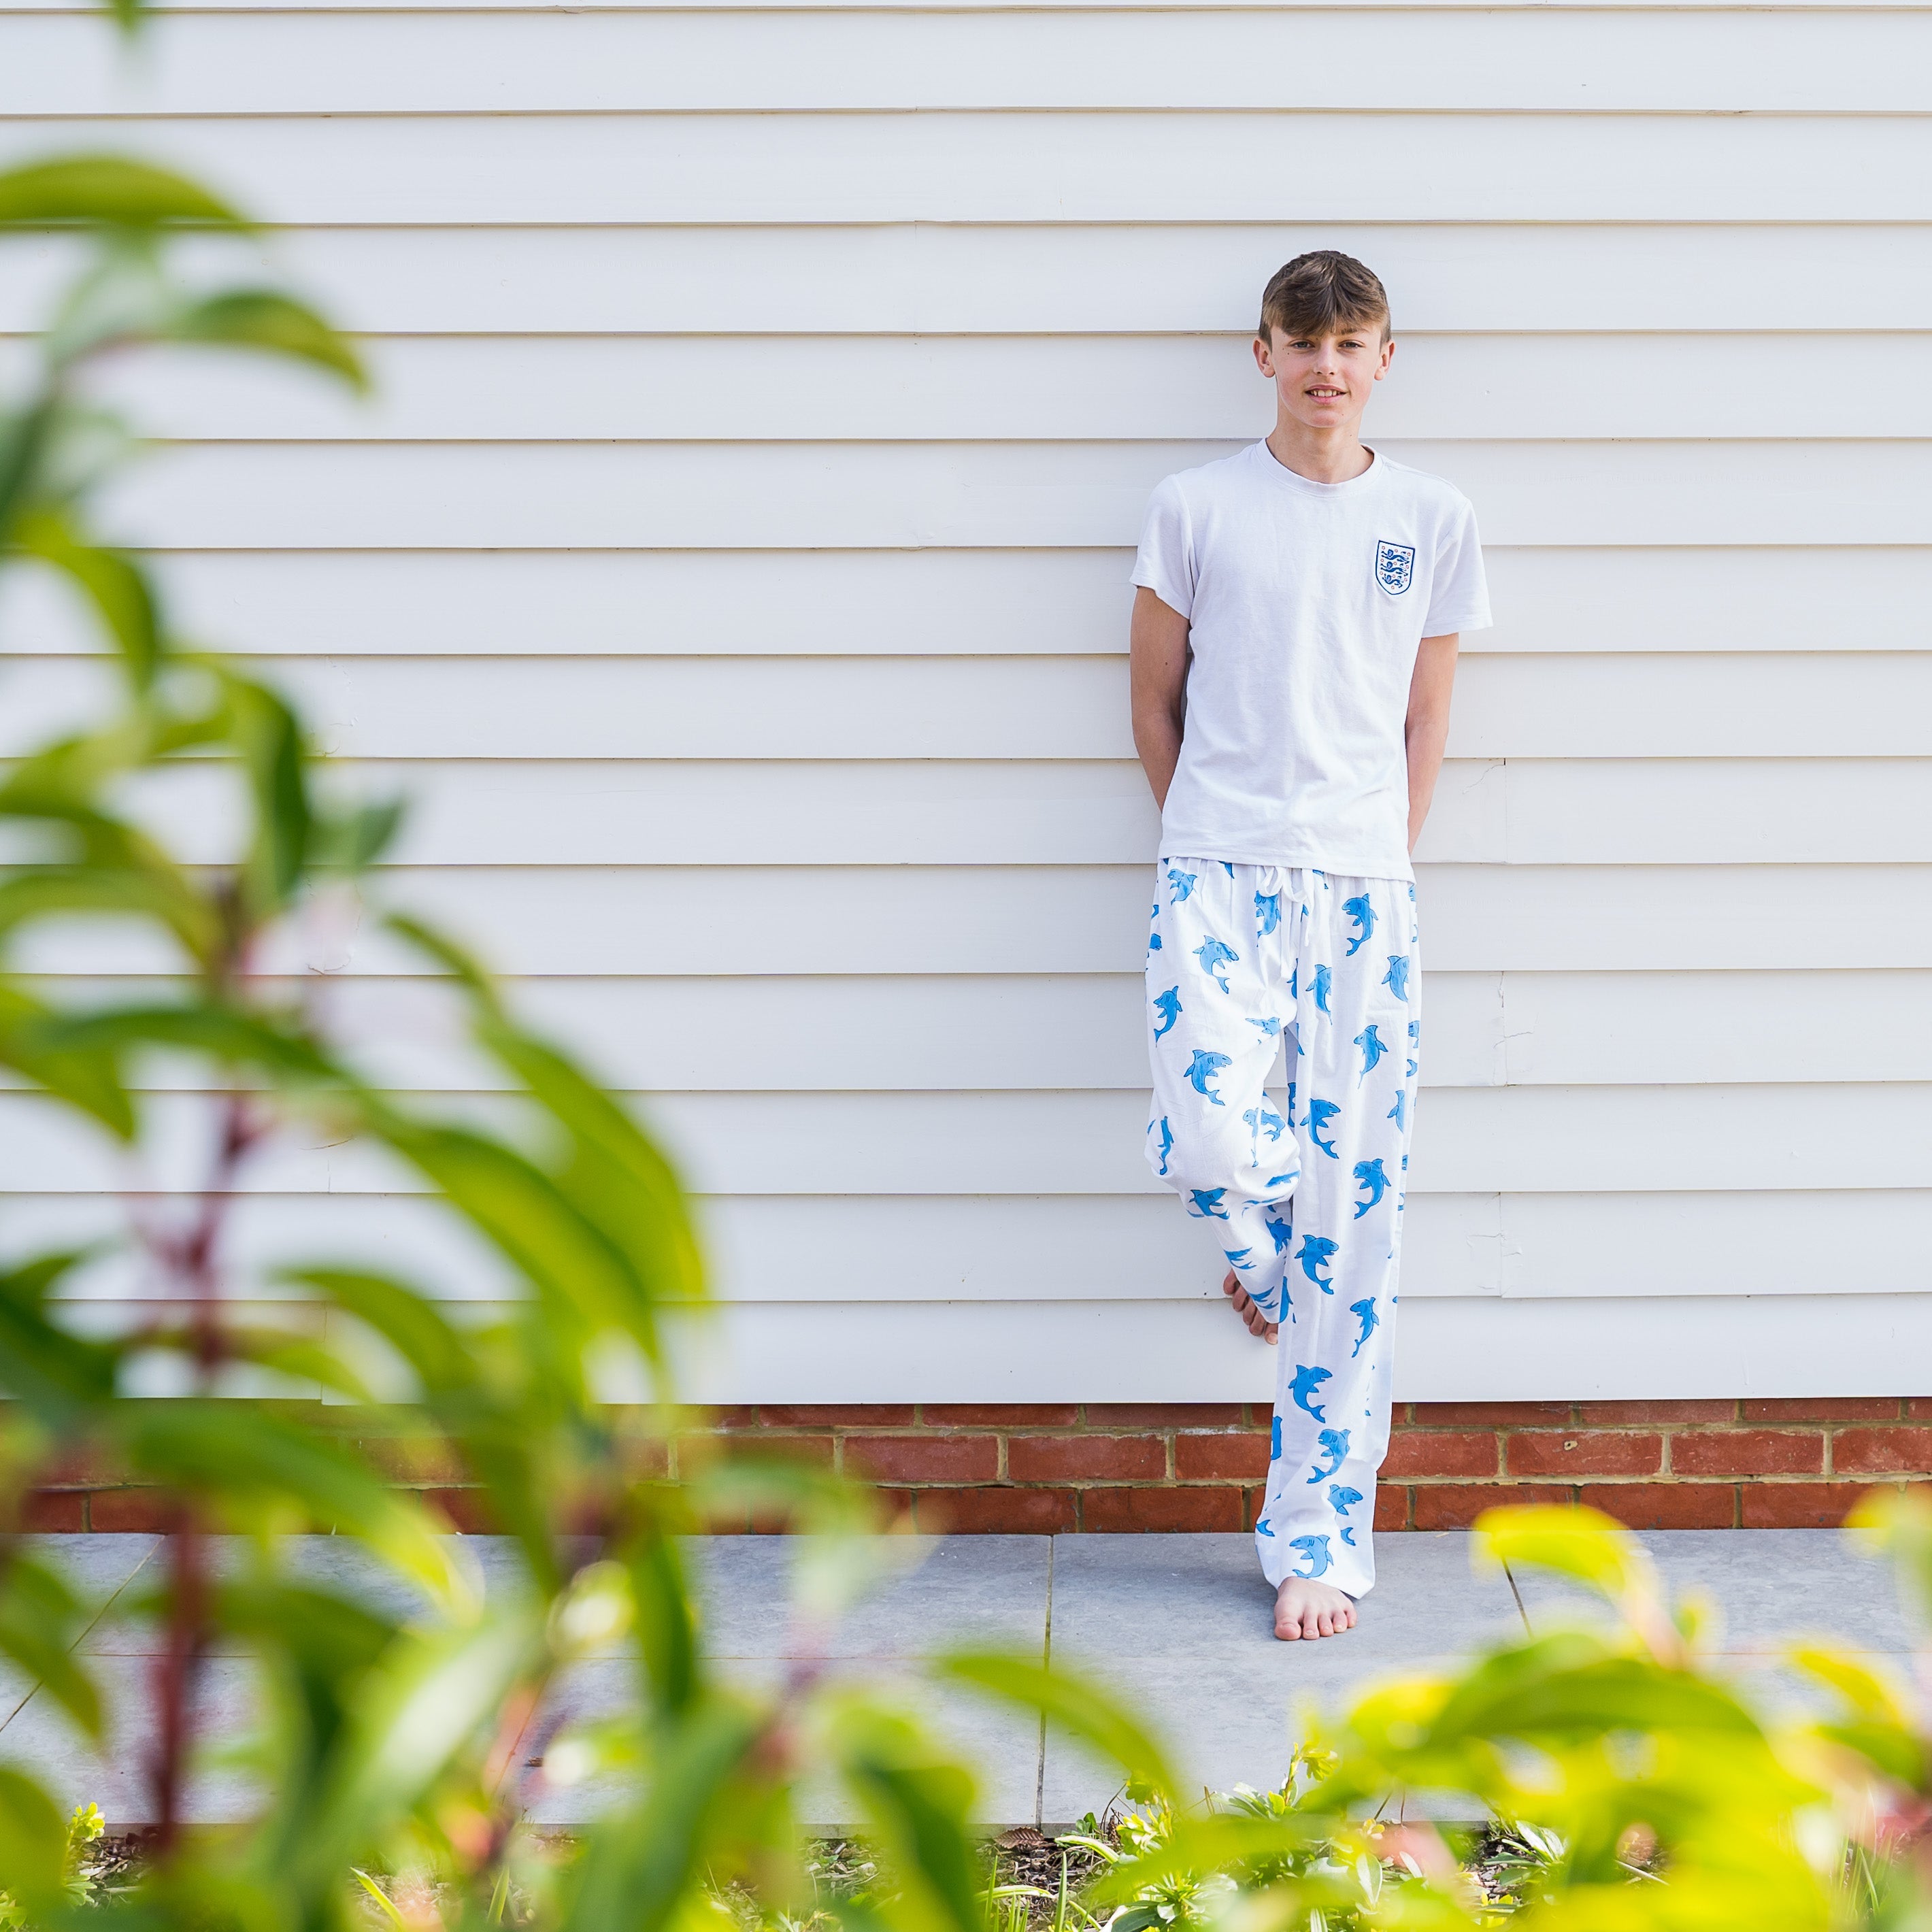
pixel 952 1589
pixel 1770 1586
pixel 43 1740
pixel 1185 1624
pixel 1223 1719
pixel 1002 1744
pixel 337 1563
pixel 1188 1597
pixel 99 1568
pixel 1181 1624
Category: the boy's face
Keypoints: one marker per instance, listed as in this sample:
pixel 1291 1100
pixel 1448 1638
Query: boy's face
pixel 1324 382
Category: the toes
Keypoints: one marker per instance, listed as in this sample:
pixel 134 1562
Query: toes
pixel 1230 1285
pixel 1273 1333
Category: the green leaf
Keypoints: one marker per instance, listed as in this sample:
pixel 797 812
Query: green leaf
pixel 619 1180
pixel 414 1714
pixel 667 1635
pixel 62 1379
pixel 112 582
pixel 918 1805
pixel 1582 1543
pixel 266 320
pixel 352 841
pixel 269 736
pixel 641 1865
pixel 385 1904
pixel 41 1620
pixel 109 190
pixel 406 1320
pixel 1214 1844
pixel 524 1215
pixel 1078 1707
pixel 55 892
pixel 1533 1692
pixel 228 1035
pixel 33 1843
pixel 231 1451
pixel 87 1078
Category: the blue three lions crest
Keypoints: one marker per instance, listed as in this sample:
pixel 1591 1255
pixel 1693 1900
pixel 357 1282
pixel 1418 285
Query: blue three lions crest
pixel 1395 567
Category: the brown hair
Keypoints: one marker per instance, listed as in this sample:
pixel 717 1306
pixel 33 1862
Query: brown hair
pixel 1325 290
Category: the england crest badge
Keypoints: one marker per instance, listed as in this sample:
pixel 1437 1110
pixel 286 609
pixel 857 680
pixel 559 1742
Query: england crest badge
pixel 1395 567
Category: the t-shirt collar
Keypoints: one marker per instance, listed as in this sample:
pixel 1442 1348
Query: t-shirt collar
pixel 1306 486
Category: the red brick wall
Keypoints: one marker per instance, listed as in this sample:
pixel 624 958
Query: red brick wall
pixel 1718 1465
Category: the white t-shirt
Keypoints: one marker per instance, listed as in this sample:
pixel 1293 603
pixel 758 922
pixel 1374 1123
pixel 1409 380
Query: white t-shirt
pixel 1306 602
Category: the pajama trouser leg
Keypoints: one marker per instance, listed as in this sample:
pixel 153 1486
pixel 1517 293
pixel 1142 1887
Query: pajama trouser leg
pixel 1308 1209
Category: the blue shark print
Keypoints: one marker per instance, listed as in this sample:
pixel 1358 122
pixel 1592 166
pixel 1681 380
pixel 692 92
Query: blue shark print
pixel 1240 1257
pixel 1166 1142
pixel 1282 1232
pixel 1267 913
pixel 1154 936
pixel 1278 1179
pixel 1396 978
pixel 1317 1251
pixel 1168 1005
pixel 1370 1042
pixel 1323 979
pixel 1294 974
pixel 1320 1113
pixel 1334 1443
pixel 1363 914
pixel 1414 1040
pixel 1227 866
pixel 1400 1112
pixel 1206 1065
pixel 1274 1441
pixel 1264 1119
pixel 1265 1527
pixel 1207 1202
pixel 1182 883
pixel 1215 959
pixel 1369 1173
pixel 1271 1027
pixel 1315 1549
pixel 1364 1312
pixel 1307 1380
pixel 1342 1499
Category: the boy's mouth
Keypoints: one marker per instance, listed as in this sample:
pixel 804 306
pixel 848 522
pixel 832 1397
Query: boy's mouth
pixel 1325 395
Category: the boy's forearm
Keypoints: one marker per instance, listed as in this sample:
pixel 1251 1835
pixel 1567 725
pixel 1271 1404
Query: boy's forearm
pixel 1157 739
pixel 1427 735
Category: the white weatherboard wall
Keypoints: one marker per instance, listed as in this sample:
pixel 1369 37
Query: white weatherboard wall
pixel 733 569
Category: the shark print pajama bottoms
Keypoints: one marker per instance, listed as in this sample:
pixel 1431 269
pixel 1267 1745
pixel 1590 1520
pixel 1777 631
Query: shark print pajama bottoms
pixel 1304 1194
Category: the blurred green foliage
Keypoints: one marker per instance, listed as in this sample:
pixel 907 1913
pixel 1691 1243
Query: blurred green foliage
pixel 1632 1786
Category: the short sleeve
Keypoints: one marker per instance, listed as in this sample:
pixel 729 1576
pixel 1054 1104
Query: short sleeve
pixel 1459 592
pixel 1165 562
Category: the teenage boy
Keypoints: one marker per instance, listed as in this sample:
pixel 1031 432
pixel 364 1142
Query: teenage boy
pixel 1294 643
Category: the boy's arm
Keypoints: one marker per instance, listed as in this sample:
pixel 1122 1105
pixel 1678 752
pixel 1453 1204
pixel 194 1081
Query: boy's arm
pixel 1426 730
pixel 1159 655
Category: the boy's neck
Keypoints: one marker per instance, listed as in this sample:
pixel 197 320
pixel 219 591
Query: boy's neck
pixel 1335 455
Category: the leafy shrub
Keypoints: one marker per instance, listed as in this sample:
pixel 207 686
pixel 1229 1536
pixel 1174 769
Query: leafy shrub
pixel 1632 1786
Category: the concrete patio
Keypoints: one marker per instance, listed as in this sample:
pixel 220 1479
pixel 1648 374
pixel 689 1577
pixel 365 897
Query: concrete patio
pixel 1179 1624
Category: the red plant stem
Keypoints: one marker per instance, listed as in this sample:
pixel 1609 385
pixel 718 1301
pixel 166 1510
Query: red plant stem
pixel 174 1672
pixel 195 1260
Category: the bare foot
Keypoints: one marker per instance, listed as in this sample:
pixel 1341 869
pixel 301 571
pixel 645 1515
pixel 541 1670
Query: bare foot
pixel 1306 1608
pixel 1246 1308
